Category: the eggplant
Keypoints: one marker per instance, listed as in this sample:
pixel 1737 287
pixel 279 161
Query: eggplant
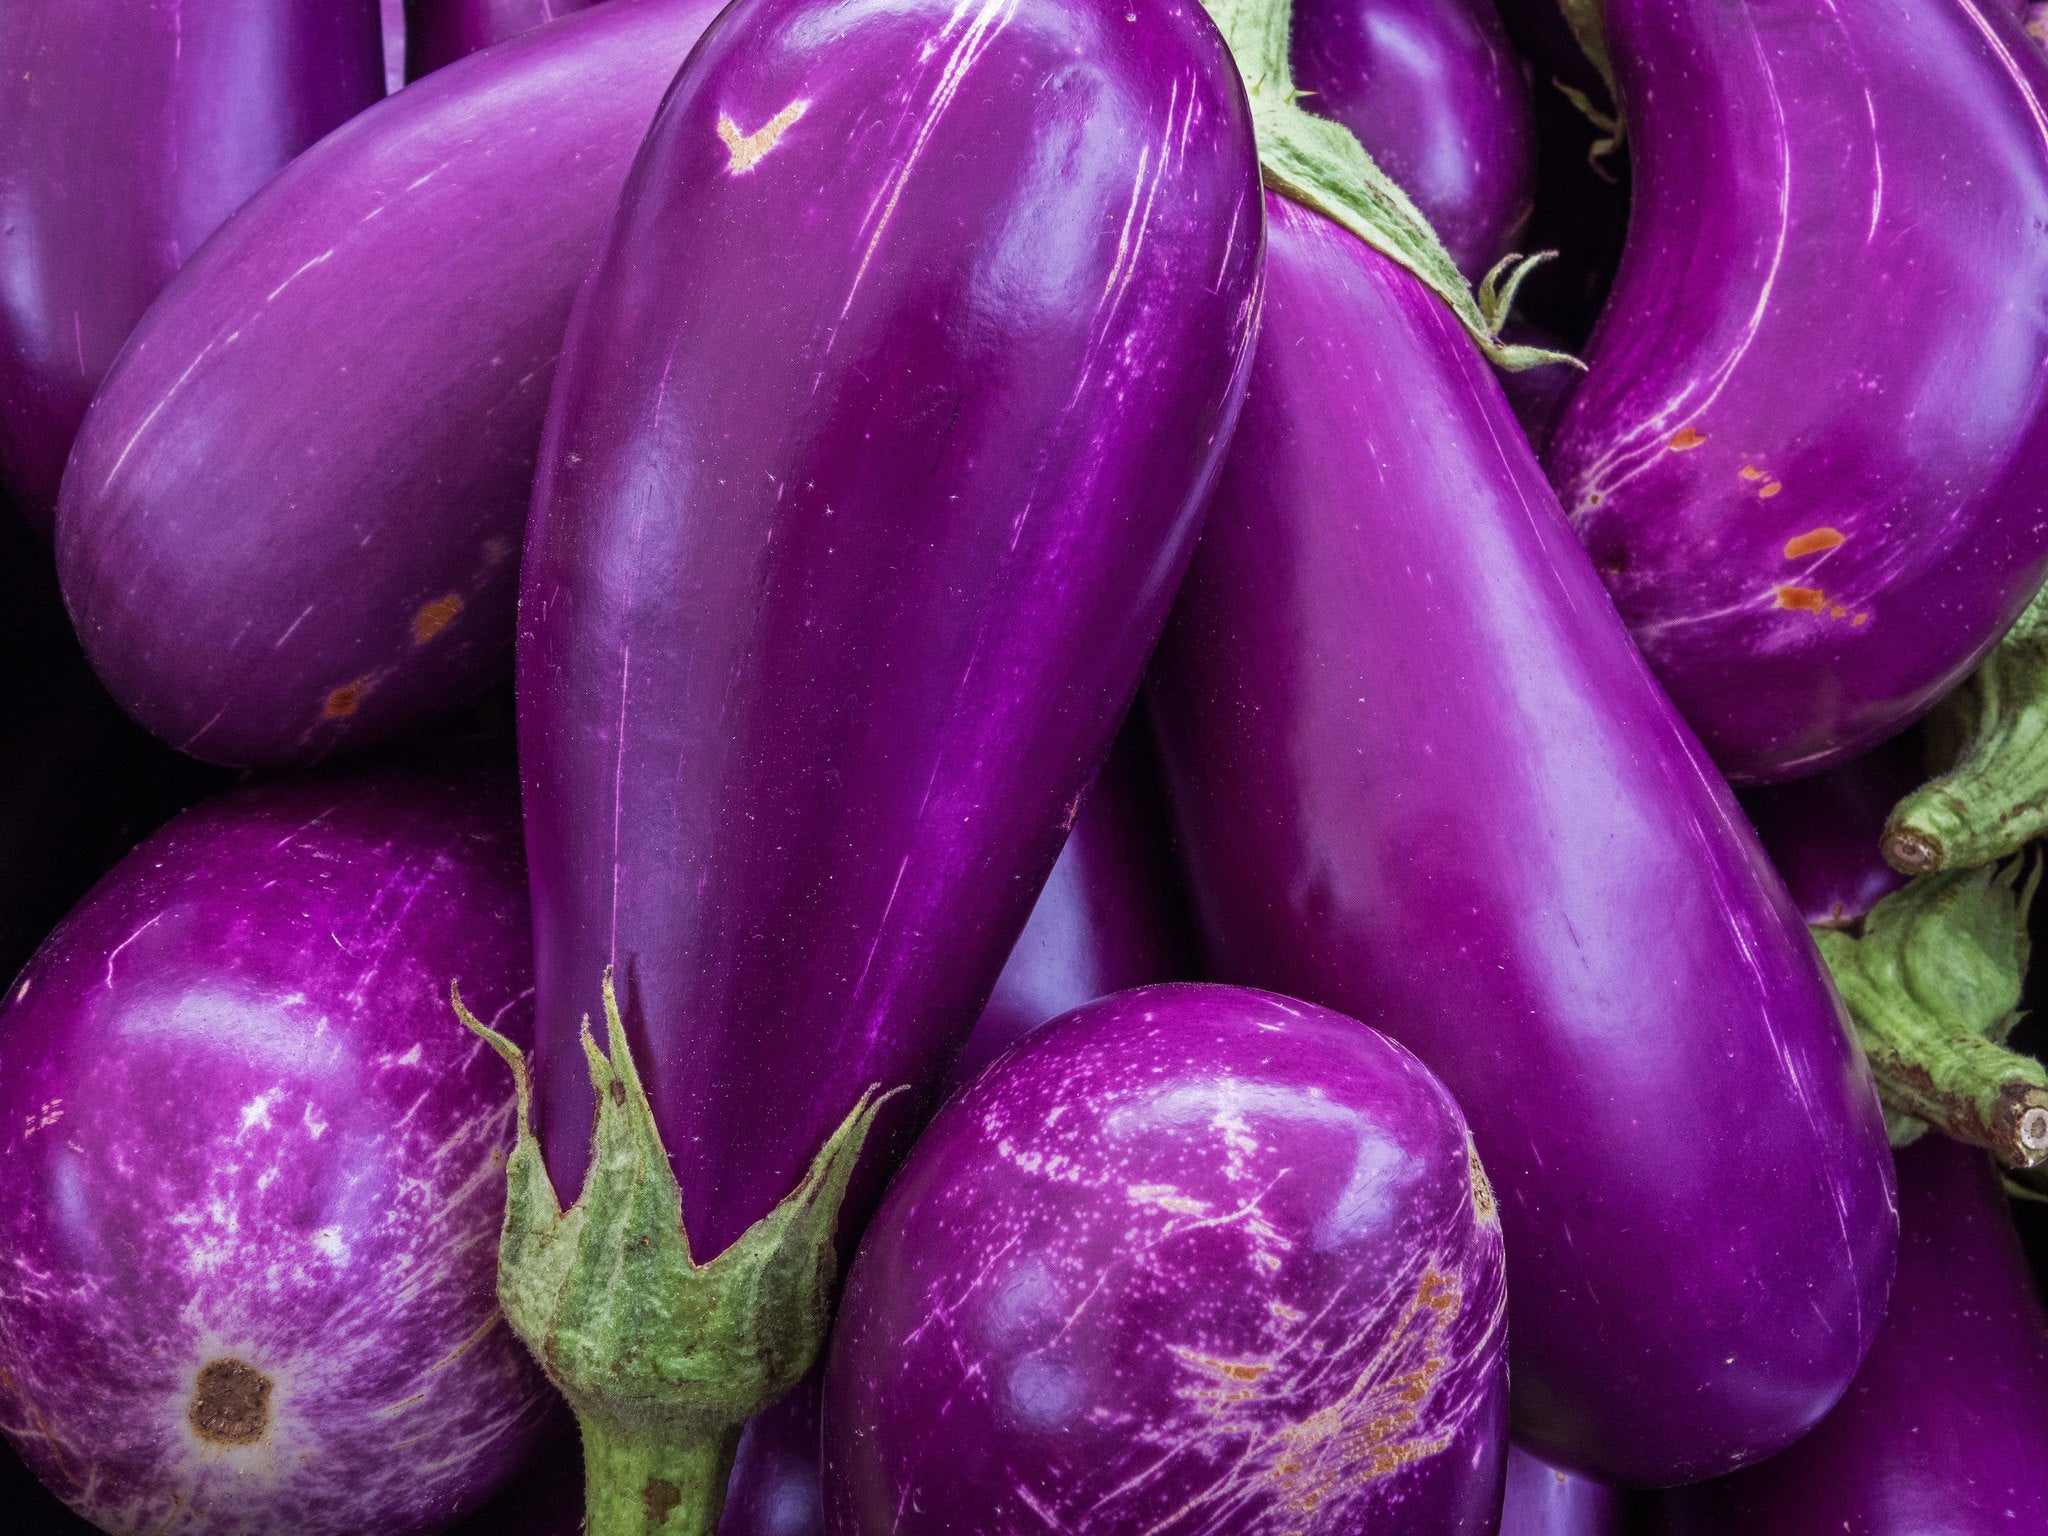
pixel 1810 456
pixel 1543 1500
pixel 1111 916
pixel 251 1190
pixel 129 130
pixel 844 562
pixel 1943 1429
pixel 439 32
pixel 1420 774
pixel 1433 93
pixel 1825 834
pixel 1190 1259
pixel 292 523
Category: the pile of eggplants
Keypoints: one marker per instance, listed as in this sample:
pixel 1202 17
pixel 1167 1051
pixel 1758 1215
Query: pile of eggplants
pixel 1041 703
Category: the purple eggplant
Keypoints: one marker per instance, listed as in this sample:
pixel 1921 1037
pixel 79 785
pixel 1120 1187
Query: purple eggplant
pixel 1111 915
pixel 1543 1500
pixel 845 558
pixel 439 32
pixel 251 1168
pixel 1810 457
pixel 129 130
pixel 1824 833
pixel 1421 775
pixel 1944 1429
pixel 293 519
pixel 1431 90
pixel 1192 1260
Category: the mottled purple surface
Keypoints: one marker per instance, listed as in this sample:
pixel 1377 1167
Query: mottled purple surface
pixel 1945 1432
pixel 292 524
pixel 243 1142
pixel 1543 1500
pixel 1192 1261
pixel 439 32
pixel 1421 775
pixel 1111 915
pixel 1810 460
pixel 1432 91
pixel 1824 833
pixel 847 553
pixel 129 129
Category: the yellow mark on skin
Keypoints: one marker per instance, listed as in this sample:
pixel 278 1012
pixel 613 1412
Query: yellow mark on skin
pixel 435 617
pixel 748 148
pixel 1750 472
pixel 343 701
pixel 44 1118
pixel 1285 1313
pixel 1813 543
pixel 1770 490
pixel 1685 438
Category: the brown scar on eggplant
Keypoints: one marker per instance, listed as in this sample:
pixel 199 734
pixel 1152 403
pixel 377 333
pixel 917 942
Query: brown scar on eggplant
pixel 1806 599
pixel 435 617
pixel 747 149
pixel 1814 542
pixel 230 1403
pixel 344 700
pixel 1750 472
pixel 1769 491
pixel 1685 438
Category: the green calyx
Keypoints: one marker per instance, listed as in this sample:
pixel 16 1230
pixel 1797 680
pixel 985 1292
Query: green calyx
pixel 1933 984
pixel 1995 799
pixel 663 1359
pixel 1589 29
pixel 1322 166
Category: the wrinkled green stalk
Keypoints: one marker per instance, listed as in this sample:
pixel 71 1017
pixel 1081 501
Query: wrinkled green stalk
pixel 1321 166
pixel 1933 984
pixel 662 1359
pixel 1994 801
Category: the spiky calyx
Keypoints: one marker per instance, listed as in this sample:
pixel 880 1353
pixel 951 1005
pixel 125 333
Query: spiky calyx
pixel 1322 166
pixel 1933 984
pixel 662 1359
pixel 1994 801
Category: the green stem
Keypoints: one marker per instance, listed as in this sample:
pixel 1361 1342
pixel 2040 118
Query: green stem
pixel 1994 801
pixel 662 1358
pixel 641 1482
pixel 1588 23
pixel 1321 166
pixel 1933 985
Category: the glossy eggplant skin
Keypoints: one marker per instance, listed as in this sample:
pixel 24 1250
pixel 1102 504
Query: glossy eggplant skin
pixel 439 32
pixel 292 523
pixel 1824 834
pixel 1192 1260
pixel 254 1182
pixel 846 555
pixel 1810 457
pixel 1543 1500
pixel 129 130
pixel 1420 774
pixel 1943 1430
pixel 1111 916
pixel 1433 92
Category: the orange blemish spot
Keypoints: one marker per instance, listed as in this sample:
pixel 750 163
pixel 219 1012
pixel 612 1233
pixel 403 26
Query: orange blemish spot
pixel 1750 472
pixel 1813 543
pixel 1685 438
pixel 343 700
pixel 1770 490
pixel 1810 599
pixel 434 618
pixel 1861 618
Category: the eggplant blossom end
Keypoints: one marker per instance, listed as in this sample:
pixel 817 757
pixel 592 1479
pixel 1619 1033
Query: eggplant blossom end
pixel 1933 984
pixel 662 1359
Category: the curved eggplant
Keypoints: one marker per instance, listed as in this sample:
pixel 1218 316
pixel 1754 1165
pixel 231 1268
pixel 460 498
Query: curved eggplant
pixel 249 1185
pixel 1191 1259
pixel 439 32
pixel 845 560
pixel 1943 1429
pixel 129 130
pixel 1421 775
pixel 292 522
pixel 1431 90
pixel 1825 834
pixel 1543 1500
pixel 1810 457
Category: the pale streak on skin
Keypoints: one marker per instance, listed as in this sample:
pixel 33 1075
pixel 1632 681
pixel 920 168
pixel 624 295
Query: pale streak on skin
pixel 749 149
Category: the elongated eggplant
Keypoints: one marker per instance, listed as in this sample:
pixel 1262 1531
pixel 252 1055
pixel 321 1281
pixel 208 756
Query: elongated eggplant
pixel 128 131
pixel 439 32
pixel 1111 916
pixel 1810 458
pixel 1191 1259
pixel 251 1169
pixel 1420 774
pixel 1943 1429
pixel 293 519
pixel 1543 1500
pixel 1432 91
pixel 845 559
pixel 1825 834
